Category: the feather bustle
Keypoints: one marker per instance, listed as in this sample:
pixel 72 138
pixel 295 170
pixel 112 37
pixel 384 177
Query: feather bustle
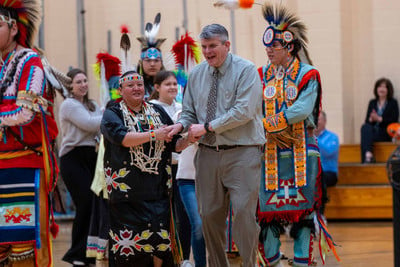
pixel 179 49
pixel 111 64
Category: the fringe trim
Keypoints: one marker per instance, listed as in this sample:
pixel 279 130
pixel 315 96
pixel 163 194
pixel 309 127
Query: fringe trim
pixel 326 243
pixel 290 216
pixel 176 247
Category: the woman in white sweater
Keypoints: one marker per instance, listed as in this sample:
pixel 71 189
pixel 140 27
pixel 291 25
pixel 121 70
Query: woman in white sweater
pixel 80 120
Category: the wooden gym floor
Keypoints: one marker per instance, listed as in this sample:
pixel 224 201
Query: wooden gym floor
pixel 365 243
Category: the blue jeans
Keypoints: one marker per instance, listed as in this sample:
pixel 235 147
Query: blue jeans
pixel 188 196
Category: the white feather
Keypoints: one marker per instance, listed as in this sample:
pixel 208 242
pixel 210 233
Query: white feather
pixel 104 88
pixel 316 225
pixel 125 60
pixel 151 34
pixel 169 61
pixel 53 81
pixel 228 4
pixel 51 78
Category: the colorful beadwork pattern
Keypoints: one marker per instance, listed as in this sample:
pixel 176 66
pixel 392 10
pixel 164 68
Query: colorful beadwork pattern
pixel 19 207
pixel 151 53
pixel 126 243
pixel 280 93
pixel 112 177
pixel 132 77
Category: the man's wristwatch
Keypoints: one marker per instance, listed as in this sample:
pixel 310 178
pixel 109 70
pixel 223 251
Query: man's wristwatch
pixel 206 125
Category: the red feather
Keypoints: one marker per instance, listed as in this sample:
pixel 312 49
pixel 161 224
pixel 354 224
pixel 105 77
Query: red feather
pixel 179 49
pixel 12 4
pixel 124 28
pixel 23 34
pixel 112 64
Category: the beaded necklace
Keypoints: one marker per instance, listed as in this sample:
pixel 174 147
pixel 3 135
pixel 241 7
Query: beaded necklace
pixel 135 122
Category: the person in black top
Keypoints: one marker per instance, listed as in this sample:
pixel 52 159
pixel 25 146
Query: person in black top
pixel 382 110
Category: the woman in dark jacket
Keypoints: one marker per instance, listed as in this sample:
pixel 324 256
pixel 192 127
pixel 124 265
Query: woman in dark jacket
pixel 382 110
pixel 137 161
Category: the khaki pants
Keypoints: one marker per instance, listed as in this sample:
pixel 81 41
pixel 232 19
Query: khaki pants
pixel 224 175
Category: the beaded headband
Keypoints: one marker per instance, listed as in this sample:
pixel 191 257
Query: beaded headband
pixel 130 77
pixel 151 53
pixel 271 34
pixel 7 19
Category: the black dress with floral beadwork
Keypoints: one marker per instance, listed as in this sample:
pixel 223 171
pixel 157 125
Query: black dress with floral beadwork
pixel 138 183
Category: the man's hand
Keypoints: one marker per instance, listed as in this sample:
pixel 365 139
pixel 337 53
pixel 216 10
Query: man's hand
pixel 197 131
pixel 174 129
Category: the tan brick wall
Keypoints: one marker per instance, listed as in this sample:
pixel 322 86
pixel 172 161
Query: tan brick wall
pixel 352 42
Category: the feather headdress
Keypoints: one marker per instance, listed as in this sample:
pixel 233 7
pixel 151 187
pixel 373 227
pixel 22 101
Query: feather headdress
pixel 28 14
pixel 125 58
pixel 186 53
pixel 285 26
pixel 107 70
pixel 150 40
pixel 125 45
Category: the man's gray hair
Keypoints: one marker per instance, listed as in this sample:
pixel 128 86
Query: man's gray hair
pixel 213 31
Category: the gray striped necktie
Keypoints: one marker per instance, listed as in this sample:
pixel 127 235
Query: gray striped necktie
pixel 212 106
